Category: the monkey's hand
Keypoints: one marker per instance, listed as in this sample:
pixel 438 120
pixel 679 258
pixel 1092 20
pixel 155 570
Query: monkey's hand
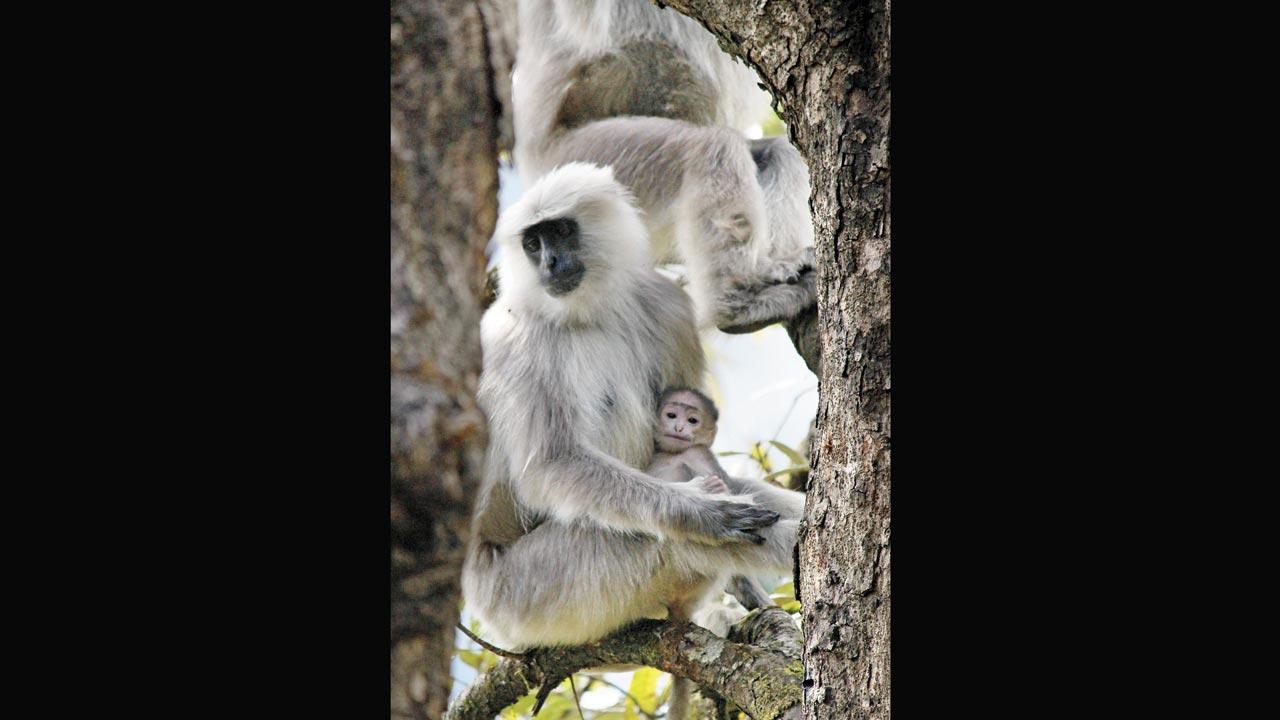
pixel 720 519
pixel 711 484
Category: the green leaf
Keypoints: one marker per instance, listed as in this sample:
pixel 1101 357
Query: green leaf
pixel 760 454
pixel 792 455
pixel 790 606
pixel 727 453
pixel 470 657
pixel 559 705
pixel 644 687
pixel 788 471
pixel 787 589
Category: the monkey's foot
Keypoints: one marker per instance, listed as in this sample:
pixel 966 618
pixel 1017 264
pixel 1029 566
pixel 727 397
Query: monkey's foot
pixel 746 309
pixel 791 272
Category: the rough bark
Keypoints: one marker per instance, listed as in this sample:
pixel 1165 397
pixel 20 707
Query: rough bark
pixel 827 65
pixel 446 121
pixel 762 677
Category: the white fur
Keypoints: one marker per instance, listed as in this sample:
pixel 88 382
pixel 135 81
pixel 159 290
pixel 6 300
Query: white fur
pixel 571 540
pixel 746 237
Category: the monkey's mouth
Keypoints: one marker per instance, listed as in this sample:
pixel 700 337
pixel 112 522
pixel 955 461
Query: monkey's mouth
pixel 681 438
pixel 564 284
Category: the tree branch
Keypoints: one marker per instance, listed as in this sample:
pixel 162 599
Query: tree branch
pixel 763 681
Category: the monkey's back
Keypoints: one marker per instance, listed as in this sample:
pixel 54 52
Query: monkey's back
pixel 579 63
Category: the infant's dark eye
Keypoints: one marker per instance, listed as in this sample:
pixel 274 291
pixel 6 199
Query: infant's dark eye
pixel 531 244
pixel 671 415
pixel 693 421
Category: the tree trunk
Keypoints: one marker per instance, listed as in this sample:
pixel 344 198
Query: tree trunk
pixel 446 120
pixel 827 64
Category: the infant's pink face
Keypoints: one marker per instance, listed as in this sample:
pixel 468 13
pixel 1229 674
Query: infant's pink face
pixel 683 422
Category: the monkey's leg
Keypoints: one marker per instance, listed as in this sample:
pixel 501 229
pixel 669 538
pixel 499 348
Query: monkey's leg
pixel 748 592
pixel 784 182
pixel 744 233
pixel 746 308
pixel 569 584
pixel 565 584
pixel 743 239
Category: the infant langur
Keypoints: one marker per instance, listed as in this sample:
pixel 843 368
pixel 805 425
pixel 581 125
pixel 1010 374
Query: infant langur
pixel 682 437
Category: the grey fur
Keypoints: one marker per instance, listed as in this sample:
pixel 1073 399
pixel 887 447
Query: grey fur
pixel 645 90
pixel 570 540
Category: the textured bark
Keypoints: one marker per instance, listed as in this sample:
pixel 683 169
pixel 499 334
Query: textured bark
pixel 446 121
pixel 763 677
pixel 827 64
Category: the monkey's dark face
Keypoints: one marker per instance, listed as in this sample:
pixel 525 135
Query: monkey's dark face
pixel 553 246
pixel 683 423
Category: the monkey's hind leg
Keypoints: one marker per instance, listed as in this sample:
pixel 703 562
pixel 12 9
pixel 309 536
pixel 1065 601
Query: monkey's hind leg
pixel 786 284
pixel 748 592
pixel 746 308
pixel 745 232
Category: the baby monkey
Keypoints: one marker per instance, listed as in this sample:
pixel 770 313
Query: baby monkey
pixel 682 437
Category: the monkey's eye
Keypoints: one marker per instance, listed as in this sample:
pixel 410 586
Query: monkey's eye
pixel 671 415
pixel 693 421
pixel 531 244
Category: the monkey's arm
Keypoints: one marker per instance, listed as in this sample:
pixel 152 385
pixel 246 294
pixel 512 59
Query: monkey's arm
pixel 789 503
pixel 583 482
pixel 706 463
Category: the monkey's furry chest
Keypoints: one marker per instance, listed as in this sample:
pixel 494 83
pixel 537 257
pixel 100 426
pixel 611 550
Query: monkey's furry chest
pixel 612 395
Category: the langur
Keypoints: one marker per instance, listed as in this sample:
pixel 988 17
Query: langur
pixel 648 91
pixel 683 433
pixel 570 540
pixel 684 430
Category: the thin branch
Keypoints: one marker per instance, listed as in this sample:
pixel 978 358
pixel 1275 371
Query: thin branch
pixel 786 417
pixel 574 687
pixel 491 648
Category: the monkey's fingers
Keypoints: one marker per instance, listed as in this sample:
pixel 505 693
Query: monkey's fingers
pixel 747 518
pixel 751 537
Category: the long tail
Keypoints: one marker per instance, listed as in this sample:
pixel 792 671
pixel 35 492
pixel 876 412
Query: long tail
pixel 678 705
